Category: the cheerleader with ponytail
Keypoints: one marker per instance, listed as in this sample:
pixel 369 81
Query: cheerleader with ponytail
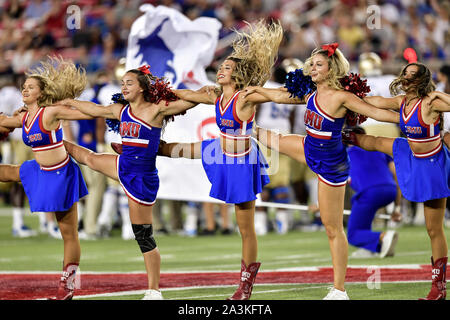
pixel 422 161
pixel 234 165
pixel 53 181
pixel 139 114
pixel 333 97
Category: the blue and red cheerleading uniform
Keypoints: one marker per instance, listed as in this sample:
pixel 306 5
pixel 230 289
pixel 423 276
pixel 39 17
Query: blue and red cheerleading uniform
pixel 136 166
pixel 235 178
pixel 324 152
pixel 421 176
pixel 52 188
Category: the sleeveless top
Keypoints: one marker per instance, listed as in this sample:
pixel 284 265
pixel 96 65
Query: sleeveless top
pixel 139 139
pixel 227 120
pixel 416 130
pixel 36 137
pixel 321 126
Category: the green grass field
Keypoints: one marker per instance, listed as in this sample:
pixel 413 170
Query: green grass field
pixel 219 253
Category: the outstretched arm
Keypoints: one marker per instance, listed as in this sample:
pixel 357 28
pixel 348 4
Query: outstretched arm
pixel 440 95
pixel 385 103
pixel 175 107
pixel 92 109
pixel 12 122
pixel 355 104
pixel 63 112
pixel 277 95
pixel 440 102
pixel 204 95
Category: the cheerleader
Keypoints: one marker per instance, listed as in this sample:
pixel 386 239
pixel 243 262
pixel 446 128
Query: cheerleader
pixel 322 149
pixel 147 103
pixel 53 181
pixel 233 164
pixel 421 160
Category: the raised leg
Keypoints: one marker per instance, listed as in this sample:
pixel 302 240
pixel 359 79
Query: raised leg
pixel 289 144
pixel 180 150
pixel 102 162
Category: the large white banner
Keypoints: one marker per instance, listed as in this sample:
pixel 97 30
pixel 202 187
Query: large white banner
pixel 179 49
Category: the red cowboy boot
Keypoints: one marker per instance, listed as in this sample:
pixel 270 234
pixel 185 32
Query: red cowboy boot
pixel 248 276
pixel 67 283
pixel 438 284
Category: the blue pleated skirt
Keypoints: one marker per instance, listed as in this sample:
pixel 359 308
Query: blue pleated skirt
pixel 139 179
pixel 52 189
pixel 421 179
pixel 329 160
pixel 234 179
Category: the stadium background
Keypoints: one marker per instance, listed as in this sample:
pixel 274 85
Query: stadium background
pixel 31 30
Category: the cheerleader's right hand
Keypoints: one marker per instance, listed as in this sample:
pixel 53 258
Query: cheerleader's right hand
pixel 249 90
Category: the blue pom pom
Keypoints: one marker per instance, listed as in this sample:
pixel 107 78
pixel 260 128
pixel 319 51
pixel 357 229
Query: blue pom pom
pixel 118 98
pixel 299 85
pixel 113 125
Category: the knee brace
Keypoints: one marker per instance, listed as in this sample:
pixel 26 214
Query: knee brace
pixel 143 234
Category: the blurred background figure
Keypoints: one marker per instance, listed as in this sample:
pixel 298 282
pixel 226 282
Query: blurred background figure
pixel 375 189
pixel 14 151
pixel 276 116
pixel 90 134
pixel 115 202
pixel 175 214
pixel 210 226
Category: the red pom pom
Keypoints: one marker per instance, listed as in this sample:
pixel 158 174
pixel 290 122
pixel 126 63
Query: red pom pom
pixel 160 90
pixel 354 84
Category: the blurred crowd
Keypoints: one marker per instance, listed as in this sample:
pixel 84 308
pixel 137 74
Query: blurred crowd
pixel 30 30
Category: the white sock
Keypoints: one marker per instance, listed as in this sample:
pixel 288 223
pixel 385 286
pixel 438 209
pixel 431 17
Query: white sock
pixel 260 222
pixel 17 218
pixel 109 207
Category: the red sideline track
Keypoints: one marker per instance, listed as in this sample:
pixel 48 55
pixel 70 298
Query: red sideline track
pixel 38 286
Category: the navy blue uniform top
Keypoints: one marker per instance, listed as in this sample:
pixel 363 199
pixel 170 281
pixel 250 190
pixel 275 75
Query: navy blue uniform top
pixel 139 139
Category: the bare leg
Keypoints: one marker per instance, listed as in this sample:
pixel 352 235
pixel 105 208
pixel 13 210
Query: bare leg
pixel 9 173
pixel 245 214
pixel 331 204
pixel 102 162
pixel 434 220
pixel 289 144
pixel 372 143
pixel 68 225
pixel 140 214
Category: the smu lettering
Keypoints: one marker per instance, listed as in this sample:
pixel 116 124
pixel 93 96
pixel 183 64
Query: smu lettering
pixel 413 130
pixel 313 119
pixel 35 137
pixel 130 129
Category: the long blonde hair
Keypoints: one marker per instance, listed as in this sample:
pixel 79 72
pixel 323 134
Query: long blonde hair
pixel 338 66
pixel 255 54
pixel 58 79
